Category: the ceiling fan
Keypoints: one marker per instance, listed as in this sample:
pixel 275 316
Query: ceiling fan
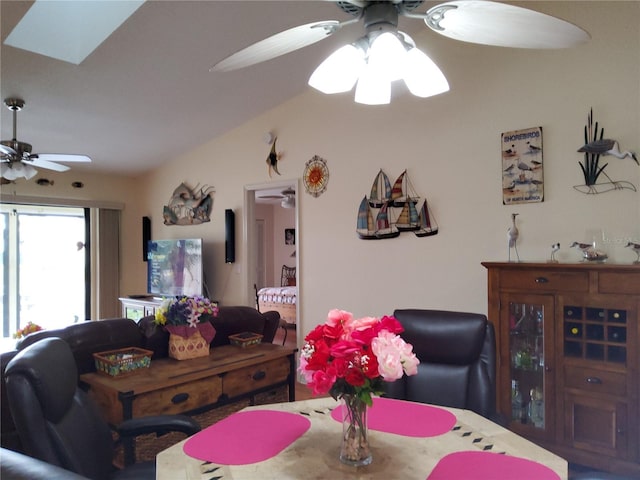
pixel 16 159
pixel 288 197
pixel 474 21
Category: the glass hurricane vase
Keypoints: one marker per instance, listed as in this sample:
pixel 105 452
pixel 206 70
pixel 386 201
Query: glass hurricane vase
pixel 355 449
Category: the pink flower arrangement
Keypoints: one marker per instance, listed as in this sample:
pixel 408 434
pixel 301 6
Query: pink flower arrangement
pixel 184 316
pixel 349 356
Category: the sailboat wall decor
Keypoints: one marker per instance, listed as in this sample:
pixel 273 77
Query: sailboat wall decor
pixel 386 200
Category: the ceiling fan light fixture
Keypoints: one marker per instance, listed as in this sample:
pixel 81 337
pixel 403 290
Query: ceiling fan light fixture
pixel 422 76
pixel 340 71
pixel 373 87
pixel 15 170
pixel 288 202
pixel 387 55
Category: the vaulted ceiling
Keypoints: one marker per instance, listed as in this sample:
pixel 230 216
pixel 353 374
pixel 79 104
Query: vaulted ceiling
pixel 146 94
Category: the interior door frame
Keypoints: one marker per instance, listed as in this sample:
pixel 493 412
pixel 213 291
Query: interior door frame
pixel 249 247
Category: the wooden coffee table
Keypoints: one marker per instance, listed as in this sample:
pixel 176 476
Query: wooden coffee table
pixel 171 386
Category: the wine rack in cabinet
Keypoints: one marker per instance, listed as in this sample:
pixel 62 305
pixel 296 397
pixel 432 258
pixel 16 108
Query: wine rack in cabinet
pixel 569 358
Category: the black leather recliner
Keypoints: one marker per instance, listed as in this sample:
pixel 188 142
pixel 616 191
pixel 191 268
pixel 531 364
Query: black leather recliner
pixel 59 424
pixel 457 353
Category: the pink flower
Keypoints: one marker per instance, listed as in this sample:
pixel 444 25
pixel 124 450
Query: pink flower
pixel 307 374
pixel 337 317
pixel 395 356
pixel 322 381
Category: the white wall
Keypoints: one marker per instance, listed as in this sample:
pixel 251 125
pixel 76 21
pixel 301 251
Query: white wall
pixel 450 145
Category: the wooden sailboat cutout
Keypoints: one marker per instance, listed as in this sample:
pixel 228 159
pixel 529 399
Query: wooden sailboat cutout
pixel 387 198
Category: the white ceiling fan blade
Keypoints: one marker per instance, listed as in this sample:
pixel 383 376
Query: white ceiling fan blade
pixel 499 24
pixel 59 157
pixel 40 163
pixel 277 45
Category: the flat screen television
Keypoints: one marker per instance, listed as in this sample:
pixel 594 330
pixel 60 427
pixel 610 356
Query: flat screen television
pixel 174 267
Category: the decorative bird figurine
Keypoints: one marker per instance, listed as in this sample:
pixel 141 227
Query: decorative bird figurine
pixel 512 235
pixel 554 248
pixel 636 248
pixel 272 159
pixel 607 147
pixel 589 252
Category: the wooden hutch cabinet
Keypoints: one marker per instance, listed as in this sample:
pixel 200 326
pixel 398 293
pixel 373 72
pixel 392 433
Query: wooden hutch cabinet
pixel 569 358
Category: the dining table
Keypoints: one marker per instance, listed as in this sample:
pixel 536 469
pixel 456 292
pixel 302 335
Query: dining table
pixel 301 441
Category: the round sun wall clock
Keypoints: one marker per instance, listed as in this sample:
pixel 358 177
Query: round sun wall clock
pixel 316 176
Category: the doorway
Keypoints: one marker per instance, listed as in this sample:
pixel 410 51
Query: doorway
pixel 261 269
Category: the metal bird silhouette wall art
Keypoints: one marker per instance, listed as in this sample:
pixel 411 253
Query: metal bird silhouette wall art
pixel 595 145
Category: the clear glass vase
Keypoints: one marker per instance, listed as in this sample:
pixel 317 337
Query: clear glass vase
pixel 355 449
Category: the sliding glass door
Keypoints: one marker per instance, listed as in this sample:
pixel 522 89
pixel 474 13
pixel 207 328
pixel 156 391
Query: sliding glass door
pixel 44 266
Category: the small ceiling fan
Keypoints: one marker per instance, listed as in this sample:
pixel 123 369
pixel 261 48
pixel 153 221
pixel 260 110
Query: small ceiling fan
pixel 16 159
pixel 288 197
pixel 473 21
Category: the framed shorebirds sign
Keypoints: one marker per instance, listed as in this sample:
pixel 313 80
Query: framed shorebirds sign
pixel 522 179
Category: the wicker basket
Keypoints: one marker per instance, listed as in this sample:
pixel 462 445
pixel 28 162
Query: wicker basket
pixel 245 339
pixel 184 348
pixel 121 362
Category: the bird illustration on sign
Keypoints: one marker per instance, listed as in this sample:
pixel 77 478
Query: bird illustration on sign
pixel 595 145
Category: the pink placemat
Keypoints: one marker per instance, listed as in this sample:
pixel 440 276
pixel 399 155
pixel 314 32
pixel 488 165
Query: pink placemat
pixel 247 437
pixel 409 419
pixel 489 466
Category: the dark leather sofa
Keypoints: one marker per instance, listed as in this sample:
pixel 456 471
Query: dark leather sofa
pixel 89 337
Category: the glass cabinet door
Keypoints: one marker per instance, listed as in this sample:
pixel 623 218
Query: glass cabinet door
pixel 528 331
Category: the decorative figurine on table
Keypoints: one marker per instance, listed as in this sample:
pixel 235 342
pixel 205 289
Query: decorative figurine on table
pixel 554 248
pixel 589 252
pixel 512 235
pixel 594 146
pixel 636 248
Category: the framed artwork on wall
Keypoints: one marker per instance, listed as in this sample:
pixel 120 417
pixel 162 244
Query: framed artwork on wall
pixel 289 236
pixel 522 179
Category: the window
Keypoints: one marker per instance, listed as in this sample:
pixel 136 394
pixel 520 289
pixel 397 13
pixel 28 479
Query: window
pixel 44 265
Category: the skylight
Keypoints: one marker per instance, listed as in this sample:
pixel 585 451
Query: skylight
pixel 69 30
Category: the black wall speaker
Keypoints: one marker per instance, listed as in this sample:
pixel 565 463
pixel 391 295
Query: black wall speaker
pixel 146 236
pixel 230 236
